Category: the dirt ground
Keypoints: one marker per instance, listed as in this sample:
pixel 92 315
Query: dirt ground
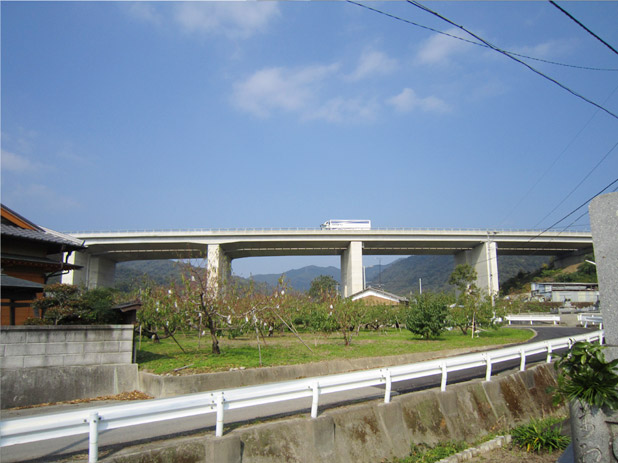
pixel 512 454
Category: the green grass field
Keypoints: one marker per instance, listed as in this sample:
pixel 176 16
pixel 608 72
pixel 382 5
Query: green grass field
pixel 286 349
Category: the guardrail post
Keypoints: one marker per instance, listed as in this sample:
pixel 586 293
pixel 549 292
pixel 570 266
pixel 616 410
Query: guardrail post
pixel 444 375
pixel 93 438
pixel 219 426
pixel 522 362
pixel 314 404
pixel 387 393
pixel 488 371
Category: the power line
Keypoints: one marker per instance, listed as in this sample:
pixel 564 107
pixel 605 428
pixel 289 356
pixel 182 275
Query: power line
pixel 579 184
pixel 508 55
pixel 412 23
pixel 584 27
pixel 556 160
pixel 574 210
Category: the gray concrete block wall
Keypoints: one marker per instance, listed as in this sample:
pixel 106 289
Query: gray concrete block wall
pixel 53 346
pixel 40 364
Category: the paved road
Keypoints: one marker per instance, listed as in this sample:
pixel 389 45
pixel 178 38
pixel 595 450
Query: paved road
pixel 54 450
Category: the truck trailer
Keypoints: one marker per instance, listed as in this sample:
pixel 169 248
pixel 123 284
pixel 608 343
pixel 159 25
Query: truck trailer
pixel 346 225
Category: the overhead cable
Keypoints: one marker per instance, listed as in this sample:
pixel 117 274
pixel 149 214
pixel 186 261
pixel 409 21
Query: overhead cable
pixel 584 27
pixel 579 184
pixel 508 55
pixel 437 31
pixel 573 211
pixel 556 160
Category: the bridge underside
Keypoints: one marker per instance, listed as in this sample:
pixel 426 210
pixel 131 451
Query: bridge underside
pixel 100 258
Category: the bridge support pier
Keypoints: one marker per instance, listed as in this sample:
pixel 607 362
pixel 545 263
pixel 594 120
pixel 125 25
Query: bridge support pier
pixel 484 259
pixel 352 269
pixel 96 272
pixel 219 266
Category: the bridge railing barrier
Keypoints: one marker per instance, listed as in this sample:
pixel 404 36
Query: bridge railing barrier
pixel 92 421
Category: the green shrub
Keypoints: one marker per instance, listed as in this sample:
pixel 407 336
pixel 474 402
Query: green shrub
pixel 427 315
pixel 37 321
pixel 540 435
pixel 584 374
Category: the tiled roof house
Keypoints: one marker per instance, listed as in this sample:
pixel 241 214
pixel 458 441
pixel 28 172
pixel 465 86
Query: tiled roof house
pixel 31 256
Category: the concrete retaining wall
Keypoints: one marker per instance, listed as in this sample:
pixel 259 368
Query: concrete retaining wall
pixel 370 431
pixel 40 364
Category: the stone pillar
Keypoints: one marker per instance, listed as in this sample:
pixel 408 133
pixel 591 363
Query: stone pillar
pixel 219 266
pixel 484 259
pixel 604 226
pixel 96 272
pixel 595 430
pixel 352 269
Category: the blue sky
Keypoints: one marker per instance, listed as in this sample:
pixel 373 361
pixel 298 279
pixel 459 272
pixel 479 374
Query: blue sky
pixel 132 116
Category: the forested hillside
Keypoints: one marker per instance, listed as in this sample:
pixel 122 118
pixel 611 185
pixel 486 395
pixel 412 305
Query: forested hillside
pixel 400 277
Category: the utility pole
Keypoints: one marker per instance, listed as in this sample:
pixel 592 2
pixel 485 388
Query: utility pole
pixel 420 286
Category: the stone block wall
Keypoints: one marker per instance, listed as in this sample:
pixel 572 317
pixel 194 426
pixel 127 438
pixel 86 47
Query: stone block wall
pixel 52 346
pixel 41 364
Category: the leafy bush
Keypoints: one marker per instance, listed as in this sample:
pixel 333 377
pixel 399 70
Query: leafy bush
pixel 587 376
pixel 37 321
pixel 427 315
pixel 70 305
pixel 540 435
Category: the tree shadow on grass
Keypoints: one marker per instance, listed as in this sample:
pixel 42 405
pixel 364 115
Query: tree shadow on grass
pixel 144 356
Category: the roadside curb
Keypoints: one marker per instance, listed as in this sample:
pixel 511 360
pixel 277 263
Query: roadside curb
pixel 485 447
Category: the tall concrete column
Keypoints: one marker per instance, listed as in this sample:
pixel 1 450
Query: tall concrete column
pixel 352 269
pixel 219 265
pixel 77 277
pixel 604 226
pixel 96 272
pixel 484 259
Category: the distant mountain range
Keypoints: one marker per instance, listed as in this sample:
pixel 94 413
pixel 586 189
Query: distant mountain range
pixel 400 277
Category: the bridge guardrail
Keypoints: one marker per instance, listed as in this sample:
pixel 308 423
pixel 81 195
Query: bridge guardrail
pixel 94 420
pixel 318 229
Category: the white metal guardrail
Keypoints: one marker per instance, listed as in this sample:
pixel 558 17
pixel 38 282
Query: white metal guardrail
pixel 585 319
pixel 92 421
pixel 533 318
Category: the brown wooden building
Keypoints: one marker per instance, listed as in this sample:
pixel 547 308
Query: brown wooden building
pixel 31 256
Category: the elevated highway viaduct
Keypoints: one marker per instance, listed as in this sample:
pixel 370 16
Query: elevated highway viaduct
pixel 478 248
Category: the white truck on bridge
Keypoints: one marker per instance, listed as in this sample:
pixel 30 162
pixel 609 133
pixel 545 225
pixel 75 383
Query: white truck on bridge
pixel 346 225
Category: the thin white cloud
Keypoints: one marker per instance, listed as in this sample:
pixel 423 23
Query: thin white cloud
pixel 232 19
pixel 23 196
pixel 12 162
pixel 372 63
pixel 547 49
pixel 146 12
pixel 280 89
pixel 342 109
pixel 408 101
pixel 439 49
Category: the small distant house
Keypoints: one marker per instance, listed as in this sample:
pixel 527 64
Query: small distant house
pixel 127 312
pixel 31 257
pixel 563 292
pixel 375 296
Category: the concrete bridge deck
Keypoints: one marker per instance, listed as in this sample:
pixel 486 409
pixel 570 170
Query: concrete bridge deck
pixel 479 248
